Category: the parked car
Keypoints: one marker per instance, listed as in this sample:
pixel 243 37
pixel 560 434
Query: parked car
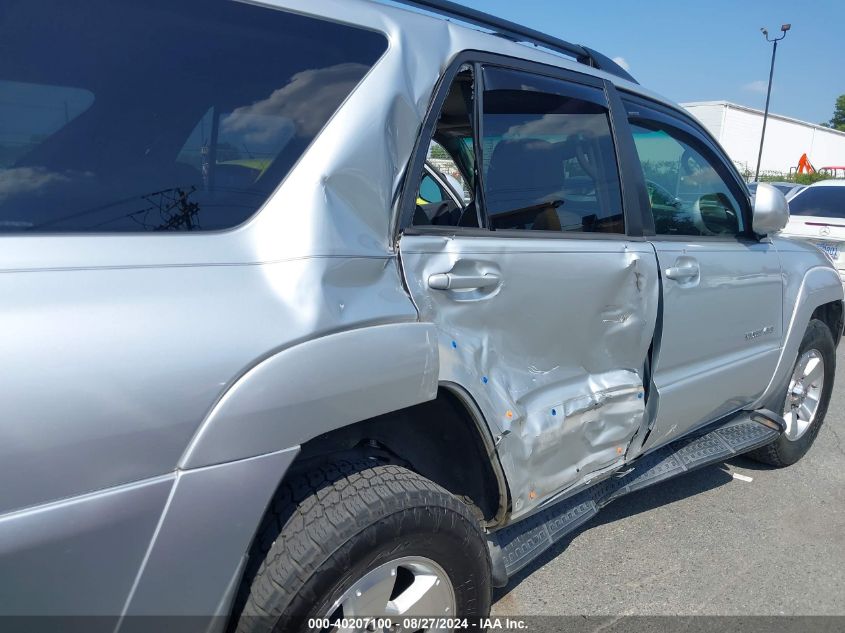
pixel 817 215
pixel 249 377
pixel 788 189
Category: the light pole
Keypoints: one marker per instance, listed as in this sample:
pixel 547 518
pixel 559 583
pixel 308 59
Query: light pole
pixel 784 28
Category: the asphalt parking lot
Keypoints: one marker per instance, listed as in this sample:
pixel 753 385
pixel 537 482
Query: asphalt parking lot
pixel 707 543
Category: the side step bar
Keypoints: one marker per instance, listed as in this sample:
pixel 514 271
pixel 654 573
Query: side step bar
pixel 513 547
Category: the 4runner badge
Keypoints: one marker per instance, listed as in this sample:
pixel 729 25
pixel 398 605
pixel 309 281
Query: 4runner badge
pixel 757 333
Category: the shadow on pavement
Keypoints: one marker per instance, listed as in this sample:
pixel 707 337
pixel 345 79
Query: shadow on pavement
pixel 741 461
pixel 681 487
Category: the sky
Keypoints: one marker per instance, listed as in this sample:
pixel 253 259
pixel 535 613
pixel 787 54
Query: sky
pixel 707 50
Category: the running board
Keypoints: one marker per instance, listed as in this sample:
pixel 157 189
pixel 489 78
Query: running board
pixel 513 547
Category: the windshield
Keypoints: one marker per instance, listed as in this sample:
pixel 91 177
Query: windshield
pixel 824 202
pixel 161 115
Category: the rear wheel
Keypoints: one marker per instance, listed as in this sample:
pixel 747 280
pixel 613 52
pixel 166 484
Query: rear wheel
pixel 804 403
pixel 364 540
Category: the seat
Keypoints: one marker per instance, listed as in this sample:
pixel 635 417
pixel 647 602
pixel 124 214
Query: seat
pixel 523 173
pixel 547 220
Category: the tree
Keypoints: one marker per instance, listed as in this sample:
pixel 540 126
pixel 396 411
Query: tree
pixel 438 152
pixel 838 120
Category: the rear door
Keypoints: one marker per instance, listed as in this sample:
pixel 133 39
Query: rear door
pixel 544 304
pixel 721 285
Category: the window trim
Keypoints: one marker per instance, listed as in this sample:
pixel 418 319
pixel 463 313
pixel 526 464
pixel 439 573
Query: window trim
pixel 404 209
pixel 403 215
pixel 684 123
pixel 639 222
pixel 478 146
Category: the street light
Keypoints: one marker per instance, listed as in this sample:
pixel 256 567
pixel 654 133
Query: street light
pixel 784 28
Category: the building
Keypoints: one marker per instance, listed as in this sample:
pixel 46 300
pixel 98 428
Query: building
pixel 738 129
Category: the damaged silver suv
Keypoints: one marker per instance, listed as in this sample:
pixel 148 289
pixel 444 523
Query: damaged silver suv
pixel 316 311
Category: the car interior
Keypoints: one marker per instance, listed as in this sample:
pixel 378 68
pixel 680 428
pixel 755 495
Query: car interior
pixel 535 181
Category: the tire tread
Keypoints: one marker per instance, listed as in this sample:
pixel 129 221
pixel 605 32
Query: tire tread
pixel 781 452
pixel 316 513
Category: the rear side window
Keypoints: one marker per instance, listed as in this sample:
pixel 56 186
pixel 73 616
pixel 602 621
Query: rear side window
pixel 823 202
pixel 117 115
pixel 548 154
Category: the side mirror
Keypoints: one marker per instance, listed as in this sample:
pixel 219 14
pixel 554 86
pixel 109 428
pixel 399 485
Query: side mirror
pixel 771 211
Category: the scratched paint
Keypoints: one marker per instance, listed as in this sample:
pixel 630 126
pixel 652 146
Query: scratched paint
pixel 567 331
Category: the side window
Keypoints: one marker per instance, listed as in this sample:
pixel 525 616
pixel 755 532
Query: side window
pixel 688 195
pixel 549 157
pixel 190 122
pixel 450 155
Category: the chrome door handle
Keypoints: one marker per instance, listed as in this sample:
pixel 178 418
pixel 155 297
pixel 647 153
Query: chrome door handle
pixel 687 271
pixel 453 281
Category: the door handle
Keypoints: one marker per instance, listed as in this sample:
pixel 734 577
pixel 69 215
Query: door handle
pixel 686 271
pixel 454 281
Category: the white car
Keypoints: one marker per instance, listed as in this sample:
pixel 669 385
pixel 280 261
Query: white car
pixel 817 215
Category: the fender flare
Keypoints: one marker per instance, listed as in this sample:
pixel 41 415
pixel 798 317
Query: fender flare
pixel 318 386
pixel 820 285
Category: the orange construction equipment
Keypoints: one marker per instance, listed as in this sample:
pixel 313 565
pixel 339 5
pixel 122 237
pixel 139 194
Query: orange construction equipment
pixel 805 166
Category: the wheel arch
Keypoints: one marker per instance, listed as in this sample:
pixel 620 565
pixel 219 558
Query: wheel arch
pixel 436 439
pixel 818 294
pixel 831 314
pixel 317 386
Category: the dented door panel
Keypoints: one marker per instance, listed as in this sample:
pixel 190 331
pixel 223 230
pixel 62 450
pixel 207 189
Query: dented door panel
pixel 550 341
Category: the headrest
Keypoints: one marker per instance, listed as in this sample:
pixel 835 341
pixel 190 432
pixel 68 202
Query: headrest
pixel 523 172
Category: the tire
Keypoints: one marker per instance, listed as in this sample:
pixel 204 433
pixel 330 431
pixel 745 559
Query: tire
pixel 343 521
pixel 785 451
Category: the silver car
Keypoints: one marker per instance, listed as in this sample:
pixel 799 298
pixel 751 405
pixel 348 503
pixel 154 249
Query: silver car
pixel 256 371
pixel 788 189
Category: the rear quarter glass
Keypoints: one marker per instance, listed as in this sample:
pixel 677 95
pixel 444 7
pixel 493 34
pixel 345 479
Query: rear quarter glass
pixel 161 116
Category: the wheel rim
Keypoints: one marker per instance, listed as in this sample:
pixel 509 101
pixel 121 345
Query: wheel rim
pixel 411 586
pixel 804 394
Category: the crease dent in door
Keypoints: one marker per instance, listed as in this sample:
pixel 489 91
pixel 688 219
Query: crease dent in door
pixel 556 416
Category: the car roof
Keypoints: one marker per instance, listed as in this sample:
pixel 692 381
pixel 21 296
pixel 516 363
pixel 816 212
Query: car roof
pixel 408 11
pixel 840 182
pixel 519 33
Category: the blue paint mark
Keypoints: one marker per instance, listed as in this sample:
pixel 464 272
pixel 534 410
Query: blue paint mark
pixel 454 345
pixel 640 395
pixel 484 379
pixel 554 411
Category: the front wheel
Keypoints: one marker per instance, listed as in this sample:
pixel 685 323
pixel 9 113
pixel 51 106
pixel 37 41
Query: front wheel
pixel 361 540
pixel 804 404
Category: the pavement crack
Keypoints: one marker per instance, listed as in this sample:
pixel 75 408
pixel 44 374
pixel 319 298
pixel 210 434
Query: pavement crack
pixel 838 440
pixel 606 625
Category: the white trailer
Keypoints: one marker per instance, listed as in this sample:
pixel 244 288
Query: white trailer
pixel 738 129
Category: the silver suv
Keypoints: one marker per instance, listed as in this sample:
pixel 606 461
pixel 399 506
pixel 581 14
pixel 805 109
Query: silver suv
pixel 339 309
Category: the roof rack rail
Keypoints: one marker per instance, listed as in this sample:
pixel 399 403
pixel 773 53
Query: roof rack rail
pixel 519 33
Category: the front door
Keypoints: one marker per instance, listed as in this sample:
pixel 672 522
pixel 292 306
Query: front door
pixel 545 308
pixel 722 289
